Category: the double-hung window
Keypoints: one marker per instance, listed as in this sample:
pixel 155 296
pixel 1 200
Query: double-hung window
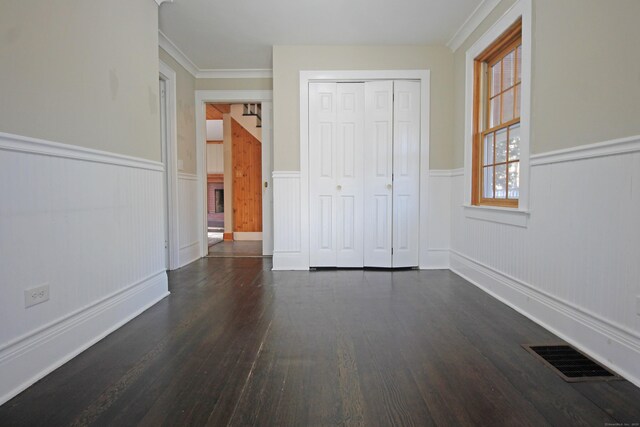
pixel 496 121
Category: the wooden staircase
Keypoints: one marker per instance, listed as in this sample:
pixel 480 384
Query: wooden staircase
pixel 253 110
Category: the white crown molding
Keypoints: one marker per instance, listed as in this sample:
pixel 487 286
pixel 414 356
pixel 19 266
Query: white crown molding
pixel 163 1
pixel 235 74
pixel 473 21
pixel 174 51
pixel 601 149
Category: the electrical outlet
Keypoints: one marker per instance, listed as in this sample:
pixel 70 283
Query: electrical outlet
pixel 35 296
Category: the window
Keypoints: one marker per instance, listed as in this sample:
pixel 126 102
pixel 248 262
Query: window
pixel 496 121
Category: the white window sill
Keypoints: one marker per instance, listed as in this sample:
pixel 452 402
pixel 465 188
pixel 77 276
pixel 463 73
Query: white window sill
pixel 509 216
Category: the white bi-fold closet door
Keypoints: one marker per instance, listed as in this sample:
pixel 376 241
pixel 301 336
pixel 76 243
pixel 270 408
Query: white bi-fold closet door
pixel 364 153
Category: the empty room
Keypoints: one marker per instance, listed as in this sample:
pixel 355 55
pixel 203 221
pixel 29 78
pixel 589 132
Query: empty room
pixel 285 213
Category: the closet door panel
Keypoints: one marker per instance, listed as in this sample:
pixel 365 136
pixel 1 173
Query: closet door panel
pixel 350 175
pixel 406 169
pixel 378 164
pixel 322 174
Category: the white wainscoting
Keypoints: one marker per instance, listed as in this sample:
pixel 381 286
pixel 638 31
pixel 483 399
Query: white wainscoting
pixel 88 224
pixel 287 254
pixel 436 255
pixel 575 268
pixel 189 237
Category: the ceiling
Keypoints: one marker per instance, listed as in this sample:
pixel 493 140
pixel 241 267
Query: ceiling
pixel 239 34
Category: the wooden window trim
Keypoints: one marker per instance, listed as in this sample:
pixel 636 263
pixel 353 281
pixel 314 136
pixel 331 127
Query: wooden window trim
pixel 504 44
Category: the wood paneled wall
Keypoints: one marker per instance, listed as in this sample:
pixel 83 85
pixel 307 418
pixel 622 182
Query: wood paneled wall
pixel 247 180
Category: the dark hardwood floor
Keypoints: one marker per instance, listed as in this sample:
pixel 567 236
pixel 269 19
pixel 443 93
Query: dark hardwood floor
pixel 238 344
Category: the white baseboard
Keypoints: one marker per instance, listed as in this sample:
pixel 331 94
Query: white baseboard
pixel 608 343
pixel 189 253
pixel 36 355
pixel 436 259
pixel 289 261
pixel 245 235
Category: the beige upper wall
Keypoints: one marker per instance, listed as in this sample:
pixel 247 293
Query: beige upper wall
pixel 234 84
pixel 288 61
pixel 585 73
pixel 81 73
pixel 185 112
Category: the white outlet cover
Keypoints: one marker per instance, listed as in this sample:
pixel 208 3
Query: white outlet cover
pixel 36 295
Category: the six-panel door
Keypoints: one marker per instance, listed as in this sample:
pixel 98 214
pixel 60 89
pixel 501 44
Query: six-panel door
pixel 336 117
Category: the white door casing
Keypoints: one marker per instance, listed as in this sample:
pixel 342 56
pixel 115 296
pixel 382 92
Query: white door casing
pixel 406 173
pixel 228 96
pixel 267 184
pixel 163 150
pixel 378 160
pixel 168 76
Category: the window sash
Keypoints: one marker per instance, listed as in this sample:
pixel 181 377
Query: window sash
pixel 484 93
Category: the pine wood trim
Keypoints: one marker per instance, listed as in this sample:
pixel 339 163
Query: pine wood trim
pixel 215 178
pixel 215 142
pixel 512 34
pixel 213 113
pixel 227 237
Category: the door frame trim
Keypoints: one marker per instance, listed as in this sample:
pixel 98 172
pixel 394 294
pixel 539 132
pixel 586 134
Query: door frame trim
pixel 308 76
pixel 203 97
pixel 167 74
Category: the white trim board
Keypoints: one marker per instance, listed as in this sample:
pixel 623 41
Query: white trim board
pixel 169 76
pixel 234 97
pixel 25 144
pixel 307 76
pixel 606 342
pixel 471 23
pixel 181 58
pixel 611 147
pixel 187 176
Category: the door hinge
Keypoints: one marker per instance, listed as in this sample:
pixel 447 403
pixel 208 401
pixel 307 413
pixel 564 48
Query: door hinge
pixel 391 251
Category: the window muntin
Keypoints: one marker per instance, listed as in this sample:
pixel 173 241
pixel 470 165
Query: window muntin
pixel 497 81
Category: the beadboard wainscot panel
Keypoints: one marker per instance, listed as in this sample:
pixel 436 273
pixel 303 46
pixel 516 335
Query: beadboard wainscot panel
pixel 189 230
pixel 287 254
pixel 436 255
pixel 89 225
pixel 574 269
